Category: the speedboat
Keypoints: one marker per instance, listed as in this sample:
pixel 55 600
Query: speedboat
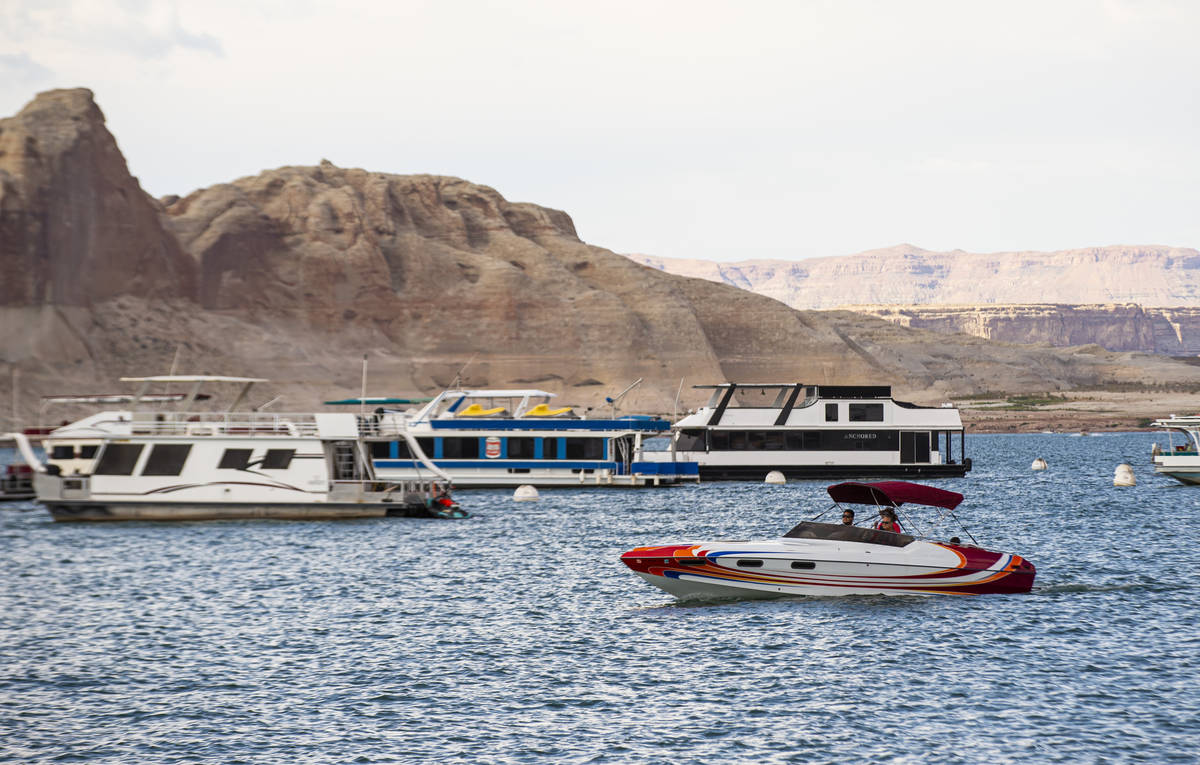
pixel 816 558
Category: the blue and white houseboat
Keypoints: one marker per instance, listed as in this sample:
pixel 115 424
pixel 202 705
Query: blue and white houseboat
pixel 494 438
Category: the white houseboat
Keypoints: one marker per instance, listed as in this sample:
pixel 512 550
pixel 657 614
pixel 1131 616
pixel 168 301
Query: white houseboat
pixel 819 431
pixel 132 464
pixel 483 438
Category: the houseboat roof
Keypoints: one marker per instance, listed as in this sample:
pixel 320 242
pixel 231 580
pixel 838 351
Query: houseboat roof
pixel 824 391
pixel 194 379
pixel 378 400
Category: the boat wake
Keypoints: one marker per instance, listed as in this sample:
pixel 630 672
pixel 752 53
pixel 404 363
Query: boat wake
pixel 1081 587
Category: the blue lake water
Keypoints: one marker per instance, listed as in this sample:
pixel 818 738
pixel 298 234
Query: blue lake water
pixel 518 636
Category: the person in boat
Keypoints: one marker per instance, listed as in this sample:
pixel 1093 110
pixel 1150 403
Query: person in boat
pixel 847 517
pixel 888 522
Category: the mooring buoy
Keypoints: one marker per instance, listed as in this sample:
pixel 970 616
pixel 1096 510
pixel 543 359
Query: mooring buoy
pixel 1124 475
pixel 525 493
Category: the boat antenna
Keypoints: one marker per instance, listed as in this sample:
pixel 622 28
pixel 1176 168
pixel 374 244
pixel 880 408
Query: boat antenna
pixel 457 382
pixel 678 393
pixel 174 366
pixel 362 398
pixel 617 398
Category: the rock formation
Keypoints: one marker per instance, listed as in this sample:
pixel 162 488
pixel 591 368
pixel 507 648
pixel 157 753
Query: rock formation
pixel 1170 331
pixel 294 274
pixel 906 275
pixel 75 227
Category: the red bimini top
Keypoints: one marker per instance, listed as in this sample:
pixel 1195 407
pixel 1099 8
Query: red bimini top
pixel 894 493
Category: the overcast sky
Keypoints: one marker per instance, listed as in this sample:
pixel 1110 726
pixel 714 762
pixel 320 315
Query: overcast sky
pixel 691 129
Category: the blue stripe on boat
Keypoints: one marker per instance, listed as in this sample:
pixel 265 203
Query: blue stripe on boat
pixel 655 426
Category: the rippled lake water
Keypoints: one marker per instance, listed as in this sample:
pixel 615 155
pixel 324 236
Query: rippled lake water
pixel 518 636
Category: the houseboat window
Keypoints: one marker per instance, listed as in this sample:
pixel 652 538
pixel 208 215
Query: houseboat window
pixel 866 412
pixel 690 441
pixel 166 459
pixel 933 440
pixel 520 448
pixel 585 448
pixel 235 459
pixel 549 448
pixel 88 451
pixel 62 453
pixel 278 459
pixel 773 440
pixel 802 440
pixel 460 448
pixel 756 440
pixel 426 445
pixel 720 440
pixel 119 459
pixel 737 440
pixel 382 450
pixel 831 413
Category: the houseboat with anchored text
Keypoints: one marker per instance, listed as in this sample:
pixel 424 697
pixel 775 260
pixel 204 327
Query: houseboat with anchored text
pixel 819 431
pixel 494 438
pixel 178 464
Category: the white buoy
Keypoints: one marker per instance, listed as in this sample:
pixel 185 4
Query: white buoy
pixel 775 477
pixel 1124 475
pixel 1038 464
pixel 525 493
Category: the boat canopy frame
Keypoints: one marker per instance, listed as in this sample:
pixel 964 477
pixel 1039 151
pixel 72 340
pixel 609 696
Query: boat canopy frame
pixel 893 494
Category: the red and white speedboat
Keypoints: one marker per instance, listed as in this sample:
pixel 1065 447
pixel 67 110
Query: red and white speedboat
pixel 835 559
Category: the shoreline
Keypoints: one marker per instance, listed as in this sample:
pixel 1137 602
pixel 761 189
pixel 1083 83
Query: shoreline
pixel 1074 412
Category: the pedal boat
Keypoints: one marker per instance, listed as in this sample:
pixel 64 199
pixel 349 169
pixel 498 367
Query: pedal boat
pixel 834 559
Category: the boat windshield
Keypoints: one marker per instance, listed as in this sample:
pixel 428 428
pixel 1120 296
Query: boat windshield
pixel 842 533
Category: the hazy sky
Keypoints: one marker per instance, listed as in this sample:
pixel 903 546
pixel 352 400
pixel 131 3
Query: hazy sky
pixel 715 130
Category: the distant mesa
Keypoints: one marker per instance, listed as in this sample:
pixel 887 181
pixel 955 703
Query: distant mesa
pixel 1124 298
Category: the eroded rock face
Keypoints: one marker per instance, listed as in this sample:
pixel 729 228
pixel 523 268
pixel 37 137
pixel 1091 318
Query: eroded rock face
pixel 75 227
pixel 1171 331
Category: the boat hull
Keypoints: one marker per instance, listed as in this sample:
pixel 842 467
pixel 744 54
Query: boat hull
pixel 146 511
pixel 1186 476
pixel 708 571
pixel 758 472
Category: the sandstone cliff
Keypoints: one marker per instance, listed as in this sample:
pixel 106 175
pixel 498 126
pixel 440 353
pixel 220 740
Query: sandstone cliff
pixel 1170 331
pixel 906 275
pixel 296 273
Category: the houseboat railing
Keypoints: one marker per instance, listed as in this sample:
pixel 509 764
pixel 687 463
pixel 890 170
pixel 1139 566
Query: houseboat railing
pixel 222 424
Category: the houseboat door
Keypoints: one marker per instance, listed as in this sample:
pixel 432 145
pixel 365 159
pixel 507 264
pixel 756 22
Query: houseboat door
pixel 348 462
pixel 914 447
pixel 622 454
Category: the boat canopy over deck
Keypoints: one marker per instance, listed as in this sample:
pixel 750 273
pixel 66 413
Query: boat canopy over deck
pixel 893 494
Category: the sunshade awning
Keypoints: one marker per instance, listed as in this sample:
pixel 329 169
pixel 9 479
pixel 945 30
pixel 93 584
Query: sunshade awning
pixel 893 493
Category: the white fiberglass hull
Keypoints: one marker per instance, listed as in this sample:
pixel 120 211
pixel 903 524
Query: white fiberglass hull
pixel 148 511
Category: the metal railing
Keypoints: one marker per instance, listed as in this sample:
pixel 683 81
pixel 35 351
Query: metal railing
pixel 223 424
